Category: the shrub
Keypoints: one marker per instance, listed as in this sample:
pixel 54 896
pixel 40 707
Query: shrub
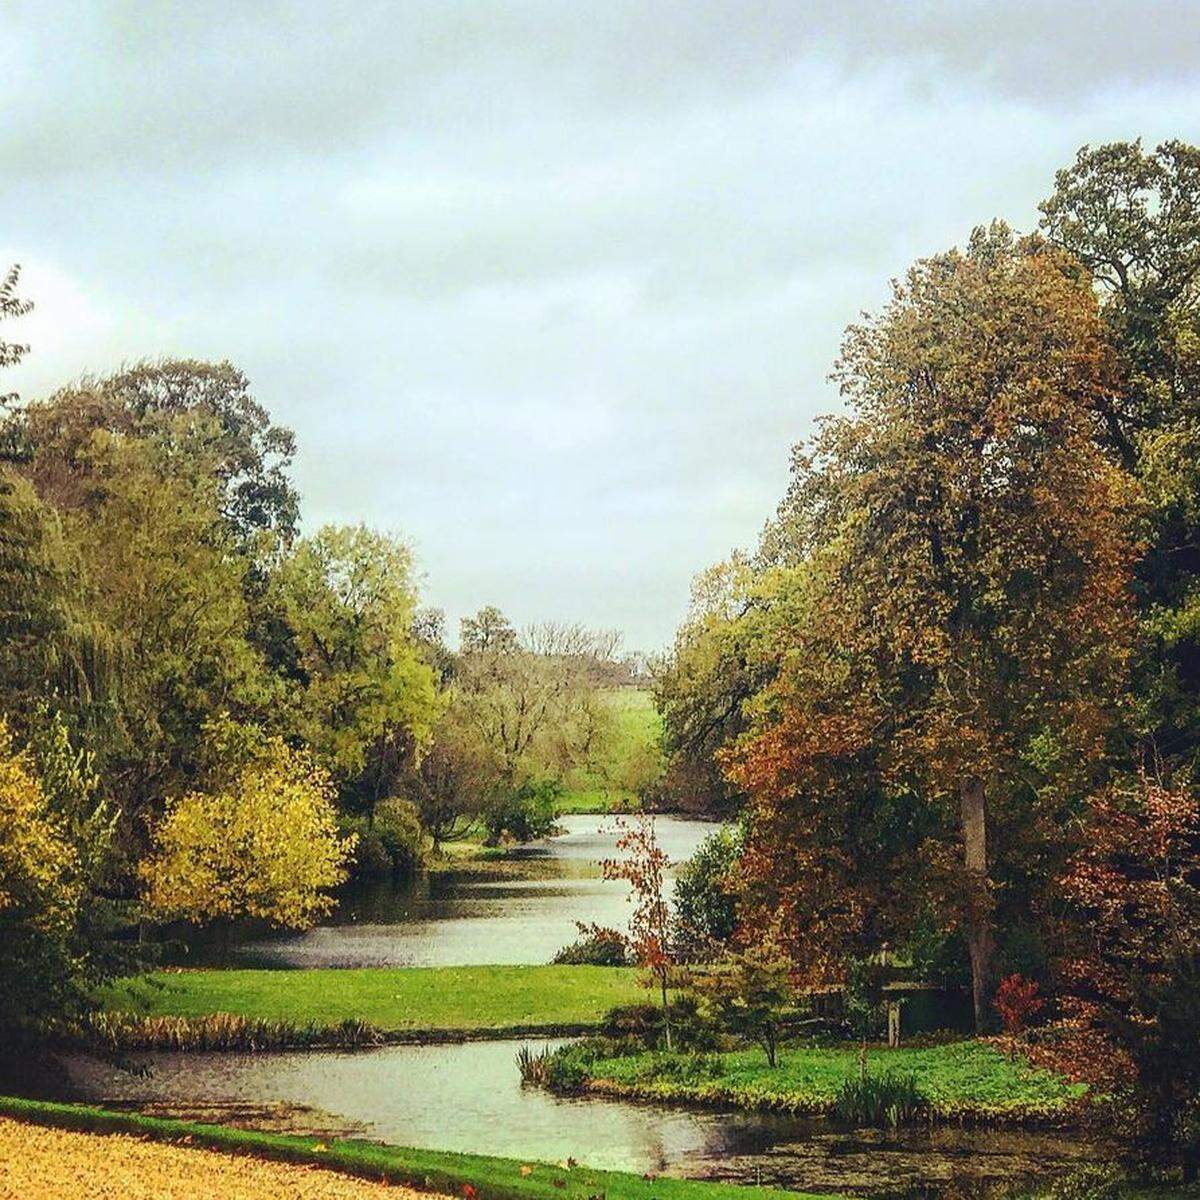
pixel 398 828
pixel 523 815
pixel 882 1101
pixel 604 948
pixel 1017 1001
pixel 747 996
pixel 705 903
pixel 370 854
pixel 643 1025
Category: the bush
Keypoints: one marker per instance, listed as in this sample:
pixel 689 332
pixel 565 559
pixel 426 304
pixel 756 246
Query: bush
pixel 882 1101
pixel 605 948
pixel 399 829
pixel 370 855
pixel 705 904
pixel 643 1025
pixel 523 815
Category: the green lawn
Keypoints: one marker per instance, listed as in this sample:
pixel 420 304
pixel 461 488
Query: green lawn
pixel 431 1170
pixel 391 999
pixel 967 1079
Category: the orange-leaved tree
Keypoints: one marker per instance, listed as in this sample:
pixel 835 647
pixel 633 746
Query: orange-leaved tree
pixel 954 621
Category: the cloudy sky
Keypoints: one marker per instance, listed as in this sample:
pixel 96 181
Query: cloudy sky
pixel 548 287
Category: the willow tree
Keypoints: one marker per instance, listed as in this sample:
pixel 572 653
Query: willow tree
pixel 965 561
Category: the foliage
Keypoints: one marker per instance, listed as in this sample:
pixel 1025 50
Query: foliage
pixel 889 1100
pixel 41 894
pixel 398 827
pixel 1018 1002
pixel 747 995
pixel 705 908
pixel 1131 945
pixel 11 306
pixel 601 948
pixel 522 814
pixel 346 599
pixel 369 858
pixel 264 846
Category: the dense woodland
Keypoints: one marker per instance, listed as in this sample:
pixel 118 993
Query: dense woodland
pixel 951 701
pixel 955 692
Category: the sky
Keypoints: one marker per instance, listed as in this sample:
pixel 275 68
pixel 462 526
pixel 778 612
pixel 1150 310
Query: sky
pixel 549 289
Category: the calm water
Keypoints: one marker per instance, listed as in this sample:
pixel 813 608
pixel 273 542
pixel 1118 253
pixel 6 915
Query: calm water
pixel 469 1097
pixel 457 919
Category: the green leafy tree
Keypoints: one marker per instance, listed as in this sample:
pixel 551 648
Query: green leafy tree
pixel 748 995
pixel 365 699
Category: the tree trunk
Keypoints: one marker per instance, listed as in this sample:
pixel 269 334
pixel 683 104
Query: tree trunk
pixel 980 939
pixel 666 1011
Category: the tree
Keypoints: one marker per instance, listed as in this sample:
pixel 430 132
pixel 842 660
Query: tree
pixel 261 844
pixel 705 913
pixel 747 995
pixel 1130 952
pixel 42 969
pixel 192 409
pixel 11 306
pixel 534 702
pixel 365 698
pixel 1132 218
pixel 451 781
pixel 701 688
pixel 964 554
pixel 643 865
pixel 487 632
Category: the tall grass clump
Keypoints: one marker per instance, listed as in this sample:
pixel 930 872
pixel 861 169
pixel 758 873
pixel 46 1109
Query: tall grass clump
pixel 881 1101
pixel 534 1065
pixel 119 1032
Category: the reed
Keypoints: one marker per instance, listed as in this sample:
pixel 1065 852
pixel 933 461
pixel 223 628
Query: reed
pixel 883 1101
pixel 119 1032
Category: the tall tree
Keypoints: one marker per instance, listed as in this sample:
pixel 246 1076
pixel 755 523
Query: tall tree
pixel 366 697
pixel 1132 218
pixel 967 577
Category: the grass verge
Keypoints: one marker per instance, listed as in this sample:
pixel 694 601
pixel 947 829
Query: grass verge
pixel 961 1081
pixel 430 1170
pixel 417 1003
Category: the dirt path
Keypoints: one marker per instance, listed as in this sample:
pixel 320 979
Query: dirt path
pixel 37 1163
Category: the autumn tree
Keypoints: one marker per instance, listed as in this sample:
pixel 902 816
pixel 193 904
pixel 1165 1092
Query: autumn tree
pixel 1128 924
pixel 643 864
pixel 262 843
pixel 954 636
pixel 1132 218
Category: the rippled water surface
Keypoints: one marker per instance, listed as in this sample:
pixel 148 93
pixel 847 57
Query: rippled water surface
pixel 469 1097
pixel 456 919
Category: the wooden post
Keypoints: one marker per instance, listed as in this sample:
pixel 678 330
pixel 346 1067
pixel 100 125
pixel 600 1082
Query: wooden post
pixel 893 1015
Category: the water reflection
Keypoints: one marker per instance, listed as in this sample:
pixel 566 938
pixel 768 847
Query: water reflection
pixel 469 1098
pixel 458 919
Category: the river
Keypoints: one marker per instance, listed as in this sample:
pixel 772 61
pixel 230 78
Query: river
pixel 469 1097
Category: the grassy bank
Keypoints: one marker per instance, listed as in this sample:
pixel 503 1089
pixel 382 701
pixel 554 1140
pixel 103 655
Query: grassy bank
pixel 428 1170
pixel 393 1001
pixel 961 1080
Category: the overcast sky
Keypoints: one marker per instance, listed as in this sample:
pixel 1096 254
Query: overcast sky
pixel 548 288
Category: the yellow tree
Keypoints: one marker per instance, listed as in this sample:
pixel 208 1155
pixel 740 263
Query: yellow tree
pixel 264 844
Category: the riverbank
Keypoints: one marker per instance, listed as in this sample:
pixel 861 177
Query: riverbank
pixel 961 1081
pixel 361 1006
pixel 425 1170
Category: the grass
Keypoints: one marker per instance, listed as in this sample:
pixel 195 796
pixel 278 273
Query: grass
pixel 965 1080
pixel 413 1000
pixel 430 1170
